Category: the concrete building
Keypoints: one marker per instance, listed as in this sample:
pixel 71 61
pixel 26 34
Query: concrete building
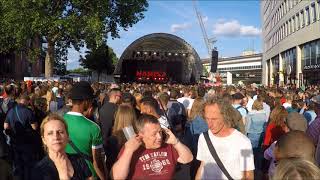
pixel 245 68
pixel 291 42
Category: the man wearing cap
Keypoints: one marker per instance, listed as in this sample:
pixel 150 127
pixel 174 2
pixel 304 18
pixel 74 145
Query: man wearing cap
pixel 85 134
pixel 294 121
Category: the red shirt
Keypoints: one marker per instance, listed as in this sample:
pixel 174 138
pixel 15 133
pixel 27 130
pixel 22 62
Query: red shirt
pixel 273 133
pixel 283 100
pixel 153 163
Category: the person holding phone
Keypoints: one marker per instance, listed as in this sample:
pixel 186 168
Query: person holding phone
pixel 149 154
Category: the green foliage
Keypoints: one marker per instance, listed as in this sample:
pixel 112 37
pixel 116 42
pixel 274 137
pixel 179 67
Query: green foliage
pixel 205 71
pixel 101 59
pixel 79 71
pixel 60 60
pixel 33 54
pixel 63 23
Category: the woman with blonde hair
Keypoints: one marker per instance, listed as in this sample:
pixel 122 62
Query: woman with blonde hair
pixel 194 127
pixel 296 168
pixel 124 117
pixel 275 127
pixel 58 164
pixel 255 124
pixel 51 101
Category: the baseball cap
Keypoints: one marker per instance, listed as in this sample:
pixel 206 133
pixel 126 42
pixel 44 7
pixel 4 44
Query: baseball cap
pixel 81 91
pixel 296 121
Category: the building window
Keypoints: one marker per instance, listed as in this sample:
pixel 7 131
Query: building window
pixel 298 21
pixel 314 13
pixel 293 24
pixel 313 53
pixel 318 52
pixel 289 27
pixel 318 9
pixel 302 18
pixel 306 55
pixel 308 16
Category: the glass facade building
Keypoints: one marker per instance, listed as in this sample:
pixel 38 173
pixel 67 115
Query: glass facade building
pixel 291 37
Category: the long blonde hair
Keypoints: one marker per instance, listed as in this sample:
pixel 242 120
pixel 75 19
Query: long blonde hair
pixel 196 109
pixel 278 115
pixel 124 117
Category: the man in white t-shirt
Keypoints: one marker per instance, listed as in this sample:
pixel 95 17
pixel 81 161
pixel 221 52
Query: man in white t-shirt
pixel 186 100
pixel 233 148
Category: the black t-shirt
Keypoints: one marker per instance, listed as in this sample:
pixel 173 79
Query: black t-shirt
pixel 20 119
pixel 46 169
pixel 106 118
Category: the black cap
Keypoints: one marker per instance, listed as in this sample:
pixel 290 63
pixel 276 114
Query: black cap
pixel 238 96
pixel 81 91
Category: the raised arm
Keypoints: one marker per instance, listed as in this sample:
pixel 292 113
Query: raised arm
pixel 98 162
pixel 185 155
pixel 121 168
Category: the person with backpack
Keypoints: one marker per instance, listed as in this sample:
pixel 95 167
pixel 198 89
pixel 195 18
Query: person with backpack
pixel 21 126
pixel 237 104
pixel 176 112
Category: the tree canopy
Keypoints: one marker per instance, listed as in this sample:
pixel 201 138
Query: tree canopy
pixel 65 23
pixel 102 59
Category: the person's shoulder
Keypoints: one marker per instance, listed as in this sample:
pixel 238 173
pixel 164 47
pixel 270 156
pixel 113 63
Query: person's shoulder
pixel 42 165
pixel 107 105
pixel 240 138
pixel 75 157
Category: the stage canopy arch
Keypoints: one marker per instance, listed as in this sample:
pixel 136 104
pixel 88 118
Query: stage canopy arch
pixel 159 57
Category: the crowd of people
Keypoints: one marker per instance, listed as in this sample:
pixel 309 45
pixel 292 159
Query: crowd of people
pixel 65 130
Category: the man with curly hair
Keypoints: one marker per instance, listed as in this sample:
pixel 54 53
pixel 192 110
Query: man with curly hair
pixel 233 148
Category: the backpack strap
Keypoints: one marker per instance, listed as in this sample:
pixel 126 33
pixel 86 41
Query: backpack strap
pixel 83 155
pixel 215 155
pixel 239 107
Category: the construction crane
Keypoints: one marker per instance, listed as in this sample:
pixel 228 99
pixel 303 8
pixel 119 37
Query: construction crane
pixel 208 41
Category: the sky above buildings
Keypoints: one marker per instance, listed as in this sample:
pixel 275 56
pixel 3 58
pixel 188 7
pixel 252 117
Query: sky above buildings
pixel 235 24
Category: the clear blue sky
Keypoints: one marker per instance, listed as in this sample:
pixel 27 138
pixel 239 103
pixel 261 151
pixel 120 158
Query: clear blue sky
pixel 235 24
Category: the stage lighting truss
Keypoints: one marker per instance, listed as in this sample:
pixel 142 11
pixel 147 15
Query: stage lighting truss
pixel 161 55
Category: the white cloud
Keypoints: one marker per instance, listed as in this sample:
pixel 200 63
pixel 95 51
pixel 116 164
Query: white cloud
pixel 179 27
pixel 250 31
pixel 233 29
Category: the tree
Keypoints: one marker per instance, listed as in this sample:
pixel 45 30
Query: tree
pixel 102 59
pixel 62 23
pixel 60 60
pixel 79 71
